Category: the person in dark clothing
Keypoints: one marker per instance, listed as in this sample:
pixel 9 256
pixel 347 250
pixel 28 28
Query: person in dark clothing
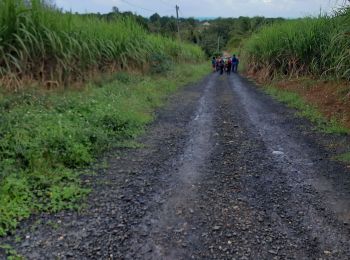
pixel 229 66
pixel 217 64
pixel 222 66
pixel 235 62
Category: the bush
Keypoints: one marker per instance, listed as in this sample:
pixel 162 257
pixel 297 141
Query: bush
pixel 160 63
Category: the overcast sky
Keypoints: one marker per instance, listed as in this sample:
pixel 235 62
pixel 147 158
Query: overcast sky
pixel 205 8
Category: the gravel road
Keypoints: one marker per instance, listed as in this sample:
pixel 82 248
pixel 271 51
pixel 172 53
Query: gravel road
pixel 225 172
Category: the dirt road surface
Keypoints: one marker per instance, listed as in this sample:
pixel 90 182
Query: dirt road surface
pixel 225 172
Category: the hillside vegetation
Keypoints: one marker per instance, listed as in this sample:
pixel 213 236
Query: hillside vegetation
pixel 40 43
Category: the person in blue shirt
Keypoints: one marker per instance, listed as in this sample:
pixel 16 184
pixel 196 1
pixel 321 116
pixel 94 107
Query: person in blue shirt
pixel 235 62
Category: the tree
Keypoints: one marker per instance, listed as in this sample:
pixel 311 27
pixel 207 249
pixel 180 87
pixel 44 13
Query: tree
pixel 154 18
pixel 115 10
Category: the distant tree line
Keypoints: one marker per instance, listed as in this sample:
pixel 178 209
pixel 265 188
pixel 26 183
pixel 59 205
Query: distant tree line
pixel 225 33
pixel 228 33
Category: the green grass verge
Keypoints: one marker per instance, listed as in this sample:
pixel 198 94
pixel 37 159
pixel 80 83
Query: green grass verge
pixel 294 100
pixel 46 137
pixel 345 157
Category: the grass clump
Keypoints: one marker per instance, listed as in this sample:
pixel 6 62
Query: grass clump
pixel 47 136
pixel 306 110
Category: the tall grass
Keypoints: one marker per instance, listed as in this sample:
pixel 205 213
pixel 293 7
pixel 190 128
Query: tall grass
pixel 340 46
pixel 40 43
pixel 309 46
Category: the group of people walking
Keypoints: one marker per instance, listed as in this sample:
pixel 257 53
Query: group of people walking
pixel 225 64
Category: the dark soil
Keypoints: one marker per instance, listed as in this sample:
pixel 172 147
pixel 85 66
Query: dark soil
pixel 226 172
